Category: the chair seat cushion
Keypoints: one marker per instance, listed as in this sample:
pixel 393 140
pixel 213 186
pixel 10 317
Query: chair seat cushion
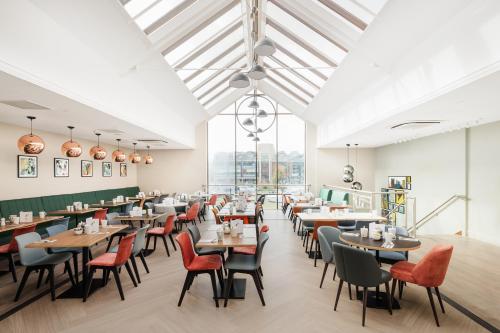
pixel 4 248
pixel 203 251
pixel 241 262
pixel 249 250
pixel 156 231
pixel 181 216
pixel 403 271
pixel 386 276
pixel 106 259
pixel 53 259
pixel 204 263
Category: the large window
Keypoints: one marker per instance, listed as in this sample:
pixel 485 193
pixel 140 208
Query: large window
pixel 272 166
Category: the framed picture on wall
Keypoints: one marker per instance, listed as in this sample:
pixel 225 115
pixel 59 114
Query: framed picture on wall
pixel 123 169
pixel 61 167
pixel 107 169
pixel 400 182
pixel 27 166
pixel 87 168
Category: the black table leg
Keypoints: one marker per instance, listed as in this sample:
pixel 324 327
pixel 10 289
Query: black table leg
pixel 85 271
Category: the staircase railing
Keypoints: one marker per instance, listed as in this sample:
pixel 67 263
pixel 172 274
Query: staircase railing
pixel 435 212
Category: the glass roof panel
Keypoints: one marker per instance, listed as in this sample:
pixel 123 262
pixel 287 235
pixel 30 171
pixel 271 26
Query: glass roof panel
pixel 155 12
pixel 220 97
pixel 286 93
pixel 135 7
pixel 289 86
pixel 305 72
pixel 217 79
pixel 304 32
pixel 199 38
pixel 214 92
pixel 286 73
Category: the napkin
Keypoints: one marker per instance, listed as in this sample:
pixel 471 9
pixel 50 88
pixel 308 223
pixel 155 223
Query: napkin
pixel 388 245
pixel 208 240
pixel 350 234
pixel 408 239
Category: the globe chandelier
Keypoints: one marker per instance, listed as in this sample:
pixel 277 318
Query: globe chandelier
pixel 256 114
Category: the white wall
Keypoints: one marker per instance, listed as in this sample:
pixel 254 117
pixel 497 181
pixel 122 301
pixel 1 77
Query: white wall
pixel 181 171
pixel 46 183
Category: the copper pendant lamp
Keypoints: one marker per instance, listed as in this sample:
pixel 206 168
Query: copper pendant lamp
pixel 71 148
pixel 98 152
pixel 148 159
pixel 134 157
pixel 30 143
pixel 118 155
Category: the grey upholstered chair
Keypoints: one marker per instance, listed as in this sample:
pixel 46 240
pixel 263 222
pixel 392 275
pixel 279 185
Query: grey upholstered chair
pixel 127 208
pixel 347 225
pixel 57 229
pixel 39 259
pixel 359 268
pixel 203 251
pixel 137 250
pixel 392 257
pixel 326 236
pixel 111 218
pixel 246 264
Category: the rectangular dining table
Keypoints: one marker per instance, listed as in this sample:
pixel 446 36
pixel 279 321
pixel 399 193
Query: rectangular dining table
pixel 36 221
pixel 68 239
pixel 110 204
pixel 75 213
pixel 141 219
pixel 248 239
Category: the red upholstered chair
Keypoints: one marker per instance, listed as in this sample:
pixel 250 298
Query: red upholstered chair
pixel 250 250
pixel 162 232
pixel 429 272
pixel 190 216
pixel 212 201
pixel 100 214
pixel 8 250
pixel 111 262
pixel 195 264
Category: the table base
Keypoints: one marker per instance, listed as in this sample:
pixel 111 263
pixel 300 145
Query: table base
pixel 77 291
pixel 237 290
pixel 378 303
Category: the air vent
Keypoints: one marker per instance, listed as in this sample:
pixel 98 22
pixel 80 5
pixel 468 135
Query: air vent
pixel 25 105
pixel 110 131
pixel 153 142
pixel 418 124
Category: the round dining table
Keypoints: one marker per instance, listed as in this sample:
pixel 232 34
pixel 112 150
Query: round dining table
pixel 378 299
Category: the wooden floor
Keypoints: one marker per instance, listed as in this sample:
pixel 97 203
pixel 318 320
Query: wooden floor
pixel 295 303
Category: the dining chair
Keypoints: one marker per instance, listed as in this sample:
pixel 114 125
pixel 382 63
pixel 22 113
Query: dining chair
pixel 327 235
pixel 215 210
pixel 162 232
pixel 392 257
pixel 111 218
pixel 111 262
pixel 137 251
pixel 127 208
pixel 203 251
pixel 38 259
pixel 245 264
pixel 100 214
pixel 57 229
pixel 429 273
pixel 190 216
pixel 314 238
pixel 250 250
pixel 8 250
pixel 347 225
pixel 195 264
pixel 359 268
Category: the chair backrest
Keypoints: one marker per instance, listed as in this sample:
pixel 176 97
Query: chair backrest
pixel 263 238
pixel 101 214
pixel 186 246
pixel 215 210
pixel 140 239
pixel 264 228
pixel 169 225
pixel 29 256
pixel 361 224
pixel 195 233
pixel 213 200
pixel 356 266
pixel 149 205
pixel 347 223
pixel 128 207
pixel 156 200
pixel 400 231
pixel 318 224
pixel 64 221
pixel 193 211
pixel 13 246
pixel 431 270
pixel 326 236
pixel 111 218
pixel 124 249
pixel 56 229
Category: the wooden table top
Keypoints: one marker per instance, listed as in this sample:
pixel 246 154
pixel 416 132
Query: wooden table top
pixel 354 238
pixel 140 218
pixel 249 212
pixel 178 204
pixel 70 239
pixel 36 220
pixel 75 212
pixel 227 240
pixel 341 217
pixel 109 204
pixel 147 197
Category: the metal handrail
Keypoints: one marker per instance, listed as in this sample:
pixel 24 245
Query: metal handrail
pixel 435 212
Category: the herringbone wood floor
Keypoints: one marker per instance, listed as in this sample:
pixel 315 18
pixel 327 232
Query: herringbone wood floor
pixel 294 301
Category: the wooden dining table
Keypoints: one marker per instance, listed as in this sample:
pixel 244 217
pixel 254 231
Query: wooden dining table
pixel 36 221
pixel 248 239
pixel 141 219
pixel 68 239
pixel 110 204
pixel 75 213
pixel 378 299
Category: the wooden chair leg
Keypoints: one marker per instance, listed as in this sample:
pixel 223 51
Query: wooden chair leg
pixel 365 297
pixel 431 299
pixel 338 295
pixel 172 241
pixel 147 241
pixel 131 274
pixel 334 273
pixel 388 296
pixel 165 243
pixel 393 291
pixel 228 287
pixel 26 274
pixel 40 278
pixel 70 272
pixel 184 288
pixel 350 292
pixel 12 267
pixel 51 280
pixel 154 243
pixel 75 266
pixel 220 276
pixel 260 271
pixel 141 255
pixel 316 249
pixel 89 282
pixel 324 273
pixel 118 282
pixel 134 266
pixel 255 276
pixel 439 298
pixel 214 287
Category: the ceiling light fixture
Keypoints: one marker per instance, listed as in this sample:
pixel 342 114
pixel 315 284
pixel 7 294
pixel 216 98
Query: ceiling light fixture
pixel 71 148
pixel 254 104
pixel 262 114
pixel 239 80
pixel 265 47
pixel 257 72
pixel 98 152
pixel 30 143
pixel 134 157
pixel 118 155
pixel 148 159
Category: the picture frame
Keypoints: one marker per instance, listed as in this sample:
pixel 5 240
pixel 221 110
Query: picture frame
pixel 61 167
pixel 107 169
pixel 27 166
pixel 399 182
pixel 87 168
pixel 123 169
